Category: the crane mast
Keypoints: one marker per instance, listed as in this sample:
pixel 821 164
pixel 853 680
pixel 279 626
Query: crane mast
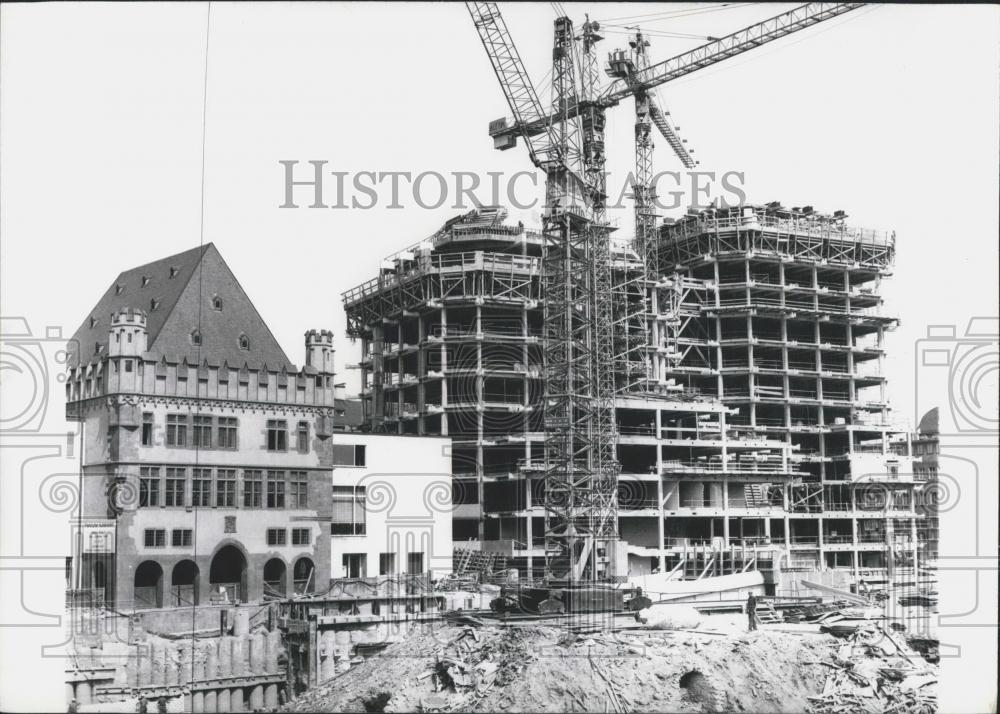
pixel 580 473
pixel 580 463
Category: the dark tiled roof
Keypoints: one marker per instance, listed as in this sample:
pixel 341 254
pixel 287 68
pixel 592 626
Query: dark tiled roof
pixel 178 294
pixel 929 423
pixel 353 413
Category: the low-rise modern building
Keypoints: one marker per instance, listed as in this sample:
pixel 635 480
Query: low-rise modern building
pixel 391 508
pixel 210 463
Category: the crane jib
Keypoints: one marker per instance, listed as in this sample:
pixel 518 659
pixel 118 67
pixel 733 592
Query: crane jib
pixel 701 57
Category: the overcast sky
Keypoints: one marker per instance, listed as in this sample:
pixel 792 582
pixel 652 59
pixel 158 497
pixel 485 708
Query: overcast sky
pixel 889 113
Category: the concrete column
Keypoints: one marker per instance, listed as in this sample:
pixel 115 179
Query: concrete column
pixel 257 698
pixel 211 702
pixel 170 672
pixel 211 659
pixel 257 654
pixel 70 692
pixel 274 646
pixel 444 379
pixel 131 672
pixel 241 621
pixel 161 665
pixel 83 692
pixel 529 528
pixel 271 696
pixel 198 702
pixel 198 671
pixel 241 655
pixel 144 673
pixel 225 660
pixel 328 661
pixel 480 397
pixel 421 372
pixel 725 509
pixel 661 534
pixel 183 664
pixel 222 701
pixel 890 554
pixel 236 703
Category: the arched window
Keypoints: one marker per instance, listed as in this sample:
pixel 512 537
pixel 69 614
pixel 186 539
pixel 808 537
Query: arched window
pixel 148 585
pixel 195 337
pixel 244 342
pixel 303 578
pixel 216 303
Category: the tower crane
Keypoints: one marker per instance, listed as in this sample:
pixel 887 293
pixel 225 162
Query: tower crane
pixel 566 140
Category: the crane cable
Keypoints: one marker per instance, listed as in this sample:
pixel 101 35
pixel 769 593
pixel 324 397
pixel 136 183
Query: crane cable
pixel 671 14
pixel 201 257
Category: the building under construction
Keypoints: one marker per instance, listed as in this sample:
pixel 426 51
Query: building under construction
pixel 758 432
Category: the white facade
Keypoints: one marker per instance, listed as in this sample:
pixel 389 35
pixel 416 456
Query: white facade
pixel 407 506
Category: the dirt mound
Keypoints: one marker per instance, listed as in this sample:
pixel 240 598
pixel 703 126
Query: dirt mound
pixel 455 668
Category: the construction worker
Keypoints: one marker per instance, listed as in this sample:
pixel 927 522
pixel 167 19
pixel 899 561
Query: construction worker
pixel 752 611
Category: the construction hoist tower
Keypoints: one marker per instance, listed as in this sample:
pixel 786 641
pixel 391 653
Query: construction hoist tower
pixel 586 343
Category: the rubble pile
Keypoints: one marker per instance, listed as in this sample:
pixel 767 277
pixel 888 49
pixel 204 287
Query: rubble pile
pixel 477 666
pixel 875 672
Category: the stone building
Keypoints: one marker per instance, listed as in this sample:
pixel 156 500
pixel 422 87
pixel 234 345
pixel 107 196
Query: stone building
pixel 209 460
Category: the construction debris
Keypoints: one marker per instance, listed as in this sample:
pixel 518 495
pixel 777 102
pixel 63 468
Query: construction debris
pixel 875 672
pixel 535 667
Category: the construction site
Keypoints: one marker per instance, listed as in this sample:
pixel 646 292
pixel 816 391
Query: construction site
pixel 674 477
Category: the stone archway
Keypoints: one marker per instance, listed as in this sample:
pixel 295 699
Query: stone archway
pixel 184 581
pixel 304 576
pixel 148 585
pixel 275 579
pixel 227 576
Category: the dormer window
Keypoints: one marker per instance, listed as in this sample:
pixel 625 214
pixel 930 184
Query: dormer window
pixel 119 289
pixel 244 342
pixel 196 338
pixel 97 348
pixel 145 280
pixel 93 321
pixel 173 271
pixel 216 303
pixel 154 304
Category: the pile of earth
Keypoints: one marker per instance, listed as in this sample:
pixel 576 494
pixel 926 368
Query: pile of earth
pixel 451 667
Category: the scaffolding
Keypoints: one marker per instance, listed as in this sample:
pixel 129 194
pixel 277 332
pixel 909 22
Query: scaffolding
pixel 764 418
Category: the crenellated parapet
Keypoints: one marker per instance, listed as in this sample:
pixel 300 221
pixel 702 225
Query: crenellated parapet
pixel 128 368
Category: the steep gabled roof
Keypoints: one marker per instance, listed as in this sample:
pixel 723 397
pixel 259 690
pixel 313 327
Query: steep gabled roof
pixel 178 294
pixel 929 423
pixel 353 415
